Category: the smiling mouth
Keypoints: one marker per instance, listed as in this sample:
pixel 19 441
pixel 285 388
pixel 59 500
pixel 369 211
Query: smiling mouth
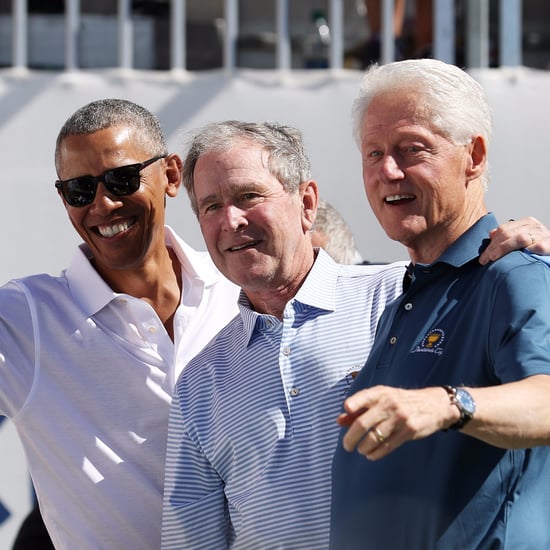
pixel 110 231
pixel 242 246
pixel 398 199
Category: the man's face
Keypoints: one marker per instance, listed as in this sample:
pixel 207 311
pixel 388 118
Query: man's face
pixel 122 232
pixel 416 180
pixel 255 231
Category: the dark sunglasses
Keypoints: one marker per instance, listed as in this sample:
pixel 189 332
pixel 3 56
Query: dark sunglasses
pixel 120 182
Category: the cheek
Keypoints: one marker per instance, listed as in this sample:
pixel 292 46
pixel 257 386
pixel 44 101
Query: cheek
pixel 369 190
pixel 208 231
pixel 368 178
pixel 75 217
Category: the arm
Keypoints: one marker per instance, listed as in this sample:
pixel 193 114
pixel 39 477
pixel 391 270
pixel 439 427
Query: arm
pixel 194 507
pixel 514 235
pixel 502 418
pixel 514 414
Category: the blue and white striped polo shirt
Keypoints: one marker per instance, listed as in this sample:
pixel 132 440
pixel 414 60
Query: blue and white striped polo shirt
pixel 253 420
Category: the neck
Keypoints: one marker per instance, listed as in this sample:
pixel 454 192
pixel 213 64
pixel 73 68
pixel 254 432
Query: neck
pixel 272 300
pixel 157 282
pixel 429 246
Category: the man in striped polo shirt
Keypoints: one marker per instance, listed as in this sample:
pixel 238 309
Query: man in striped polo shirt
pixel 252 430
pixel 249 453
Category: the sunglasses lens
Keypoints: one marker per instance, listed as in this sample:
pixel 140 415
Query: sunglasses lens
pixel 79 191
pixel 119 182
pixel 123 181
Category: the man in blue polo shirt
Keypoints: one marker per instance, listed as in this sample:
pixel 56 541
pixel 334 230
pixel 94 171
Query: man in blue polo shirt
pixel 445 430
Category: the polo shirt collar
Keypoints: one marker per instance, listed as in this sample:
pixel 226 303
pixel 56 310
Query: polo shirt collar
pixel 465 249
pixel 318 291
pixel 92 293
pixel 470 244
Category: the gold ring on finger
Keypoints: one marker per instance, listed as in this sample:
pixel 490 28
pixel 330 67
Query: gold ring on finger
pixel 379 435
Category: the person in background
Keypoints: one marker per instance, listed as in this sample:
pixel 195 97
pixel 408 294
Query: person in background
pixel 252 434
pixel 446 429
pixel 332 233
pixel 89 358
pixel 419 44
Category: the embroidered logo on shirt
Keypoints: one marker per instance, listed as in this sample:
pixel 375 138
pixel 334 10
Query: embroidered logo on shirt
pixel 432 342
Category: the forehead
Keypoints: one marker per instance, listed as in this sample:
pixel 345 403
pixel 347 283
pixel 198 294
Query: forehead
pixel 395 110
pixel 112 139
pixel 103 149
pixel 241 153
pixel 242 163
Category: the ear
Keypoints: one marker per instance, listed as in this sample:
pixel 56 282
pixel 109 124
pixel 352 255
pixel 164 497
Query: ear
pixel 478 158
pixel 309 195
pixel 174 167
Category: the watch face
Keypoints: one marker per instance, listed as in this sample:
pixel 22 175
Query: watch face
pixel 466 401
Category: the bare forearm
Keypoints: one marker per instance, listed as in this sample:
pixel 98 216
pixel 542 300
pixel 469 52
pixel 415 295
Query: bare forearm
pixel 512 415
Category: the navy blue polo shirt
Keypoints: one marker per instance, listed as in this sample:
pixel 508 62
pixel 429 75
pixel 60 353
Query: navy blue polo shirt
pixel 459 323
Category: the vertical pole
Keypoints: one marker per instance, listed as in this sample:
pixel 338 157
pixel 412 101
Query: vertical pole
pixel 20 34
pixel 387 54
pixel 444 30
pixel 477 33
pixel 510 33
pixel 336 23
pixel 125 38
pixel 231 32
pixel 72 22
pixel 178 43
pixel 283 35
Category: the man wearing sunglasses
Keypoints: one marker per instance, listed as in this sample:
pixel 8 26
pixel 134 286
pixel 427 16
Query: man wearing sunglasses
pixel 88 359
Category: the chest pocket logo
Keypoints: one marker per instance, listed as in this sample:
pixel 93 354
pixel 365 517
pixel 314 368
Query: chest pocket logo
pixel 432 342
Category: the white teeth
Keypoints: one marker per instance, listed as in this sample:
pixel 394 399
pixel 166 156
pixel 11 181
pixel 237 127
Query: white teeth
pixel 112 230
pixel 392 198
pixel 233 248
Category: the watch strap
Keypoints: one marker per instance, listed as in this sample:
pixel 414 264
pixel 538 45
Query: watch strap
pixel 464 417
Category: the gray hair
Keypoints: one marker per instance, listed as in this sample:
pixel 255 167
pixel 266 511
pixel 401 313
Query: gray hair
pixel 287 159
pixel 454 103
pixel 340 243
pixel 106 113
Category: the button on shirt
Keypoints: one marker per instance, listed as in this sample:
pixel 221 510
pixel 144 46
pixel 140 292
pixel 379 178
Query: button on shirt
pixel 86 376
pixel 469 325
pixel 253 422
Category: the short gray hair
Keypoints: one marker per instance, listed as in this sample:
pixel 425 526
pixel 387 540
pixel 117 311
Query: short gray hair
pixel 340 242
pixel 106 113
pixel 287 159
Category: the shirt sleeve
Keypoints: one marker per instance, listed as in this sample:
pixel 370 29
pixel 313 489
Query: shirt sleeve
pixel 544 259
pixel 195 508
pixel 520 333
pixel 17 349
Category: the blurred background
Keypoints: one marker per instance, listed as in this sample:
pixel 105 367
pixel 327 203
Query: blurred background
pixel 297 62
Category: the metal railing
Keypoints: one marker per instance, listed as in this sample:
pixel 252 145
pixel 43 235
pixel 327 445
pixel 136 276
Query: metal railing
pixel 476 33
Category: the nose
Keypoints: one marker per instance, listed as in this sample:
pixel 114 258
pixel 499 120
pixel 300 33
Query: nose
pixel 103 200
pixel 391 169
pixel 234 218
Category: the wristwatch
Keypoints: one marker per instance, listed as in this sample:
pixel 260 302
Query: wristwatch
pixel 465 404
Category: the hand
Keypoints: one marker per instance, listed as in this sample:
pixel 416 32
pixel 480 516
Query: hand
pixel 382 418
pixel 515 235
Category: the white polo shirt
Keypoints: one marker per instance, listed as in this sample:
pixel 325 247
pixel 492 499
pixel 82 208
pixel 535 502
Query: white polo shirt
pixel 86 375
